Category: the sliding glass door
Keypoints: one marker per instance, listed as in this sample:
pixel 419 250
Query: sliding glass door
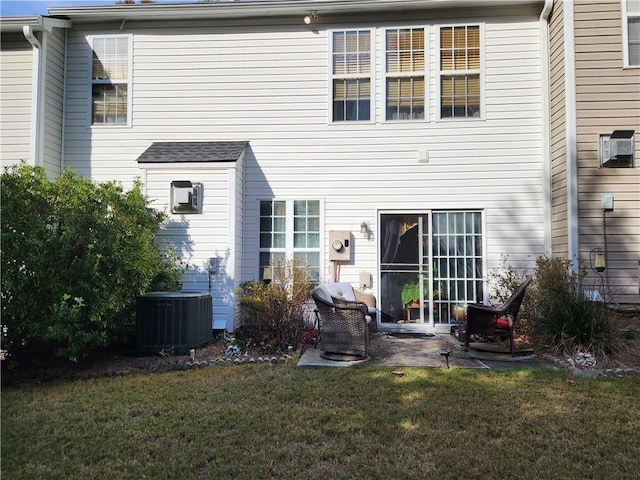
pixel 431 266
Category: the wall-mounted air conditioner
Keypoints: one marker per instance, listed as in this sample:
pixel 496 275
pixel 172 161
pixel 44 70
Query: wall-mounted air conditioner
pixel 186 197
pixel 617 149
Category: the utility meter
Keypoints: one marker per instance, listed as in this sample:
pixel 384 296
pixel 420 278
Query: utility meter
pixel 339 245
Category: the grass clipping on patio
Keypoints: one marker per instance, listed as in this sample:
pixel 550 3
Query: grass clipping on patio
pixel 259 421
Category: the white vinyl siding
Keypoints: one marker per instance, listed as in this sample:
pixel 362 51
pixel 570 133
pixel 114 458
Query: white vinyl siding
pixel 271 87
pixel 53 101
pixel 196 239
pixel 16 75
pixel 631 32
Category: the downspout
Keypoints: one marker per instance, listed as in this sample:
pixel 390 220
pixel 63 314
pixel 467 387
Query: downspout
pixel 546 129
pixel 571 142
pixel 36 100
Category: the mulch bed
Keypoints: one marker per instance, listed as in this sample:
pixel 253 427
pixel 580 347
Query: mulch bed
pixel 123 362
pixel 624 362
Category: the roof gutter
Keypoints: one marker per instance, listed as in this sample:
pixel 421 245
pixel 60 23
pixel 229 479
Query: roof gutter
pixel 546 128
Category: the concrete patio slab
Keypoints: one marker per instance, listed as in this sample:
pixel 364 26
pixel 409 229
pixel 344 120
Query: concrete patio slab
pixel 389 350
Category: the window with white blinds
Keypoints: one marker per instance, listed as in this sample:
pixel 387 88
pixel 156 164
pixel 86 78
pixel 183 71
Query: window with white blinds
pixel 405 70
pixel 631 32
pixel 110 78
pixel 351 75
pixel 460 72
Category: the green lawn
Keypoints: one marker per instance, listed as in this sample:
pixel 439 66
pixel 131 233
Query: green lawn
pixel 264 421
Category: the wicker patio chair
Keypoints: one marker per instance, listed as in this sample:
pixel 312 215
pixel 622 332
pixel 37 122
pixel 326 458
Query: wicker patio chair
pixel 495 321
pixel 342 328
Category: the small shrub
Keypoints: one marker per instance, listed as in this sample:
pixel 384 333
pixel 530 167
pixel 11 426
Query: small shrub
pixel 273 315
pixel 563 317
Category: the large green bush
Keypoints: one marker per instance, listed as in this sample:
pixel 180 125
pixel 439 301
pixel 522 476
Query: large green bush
pixel 74 256
pixel 273 315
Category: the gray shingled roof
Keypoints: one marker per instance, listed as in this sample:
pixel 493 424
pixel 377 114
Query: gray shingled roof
pixel 182 152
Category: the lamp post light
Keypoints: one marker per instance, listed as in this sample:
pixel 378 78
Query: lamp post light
pixel 598 263
pixel 266 275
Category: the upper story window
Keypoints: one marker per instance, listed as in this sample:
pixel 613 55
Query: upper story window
pixel 405 74
pixel 631 32
pixel 460 72
pixel 351 73
pixel 110 80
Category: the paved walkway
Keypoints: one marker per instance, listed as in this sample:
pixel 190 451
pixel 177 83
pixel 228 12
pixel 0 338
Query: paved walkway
pixel 389 350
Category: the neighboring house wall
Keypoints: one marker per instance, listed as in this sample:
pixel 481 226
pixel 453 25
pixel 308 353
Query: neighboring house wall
pixel 16 74
pixel 607 98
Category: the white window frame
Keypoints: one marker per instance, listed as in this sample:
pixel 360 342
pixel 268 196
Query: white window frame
pixel 439 73
pixel 388 75
pixel 626 15
pixel 289 250
pixel 371 76
pixel 128 81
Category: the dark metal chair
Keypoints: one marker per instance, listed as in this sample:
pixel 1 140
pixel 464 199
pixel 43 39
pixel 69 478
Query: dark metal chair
pixel 342 328
pixel 495 321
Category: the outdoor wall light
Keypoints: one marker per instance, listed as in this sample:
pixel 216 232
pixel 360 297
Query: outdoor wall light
pixel 312 17
pixel 364 228
pixel 597 260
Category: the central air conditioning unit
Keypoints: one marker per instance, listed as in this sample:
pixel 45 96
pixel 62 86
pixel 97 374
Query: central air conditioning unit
pixel 173 321
pixel 617 149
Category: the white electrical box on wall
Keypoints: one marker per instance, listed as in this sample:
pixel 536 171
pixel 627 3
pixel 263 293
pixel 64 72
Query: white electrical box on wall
pixel 339 245
pixel 606 202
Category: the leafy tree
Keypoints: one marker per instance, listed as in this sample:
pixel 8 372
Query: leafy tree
pixel 74 256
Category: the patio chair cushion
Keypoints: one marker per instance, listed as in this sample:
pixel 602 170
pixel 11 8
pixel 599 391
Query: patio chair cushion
pixel 341 293
pixel 323 292
pixel 344 292
pixel 503 322
pixel 341 289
